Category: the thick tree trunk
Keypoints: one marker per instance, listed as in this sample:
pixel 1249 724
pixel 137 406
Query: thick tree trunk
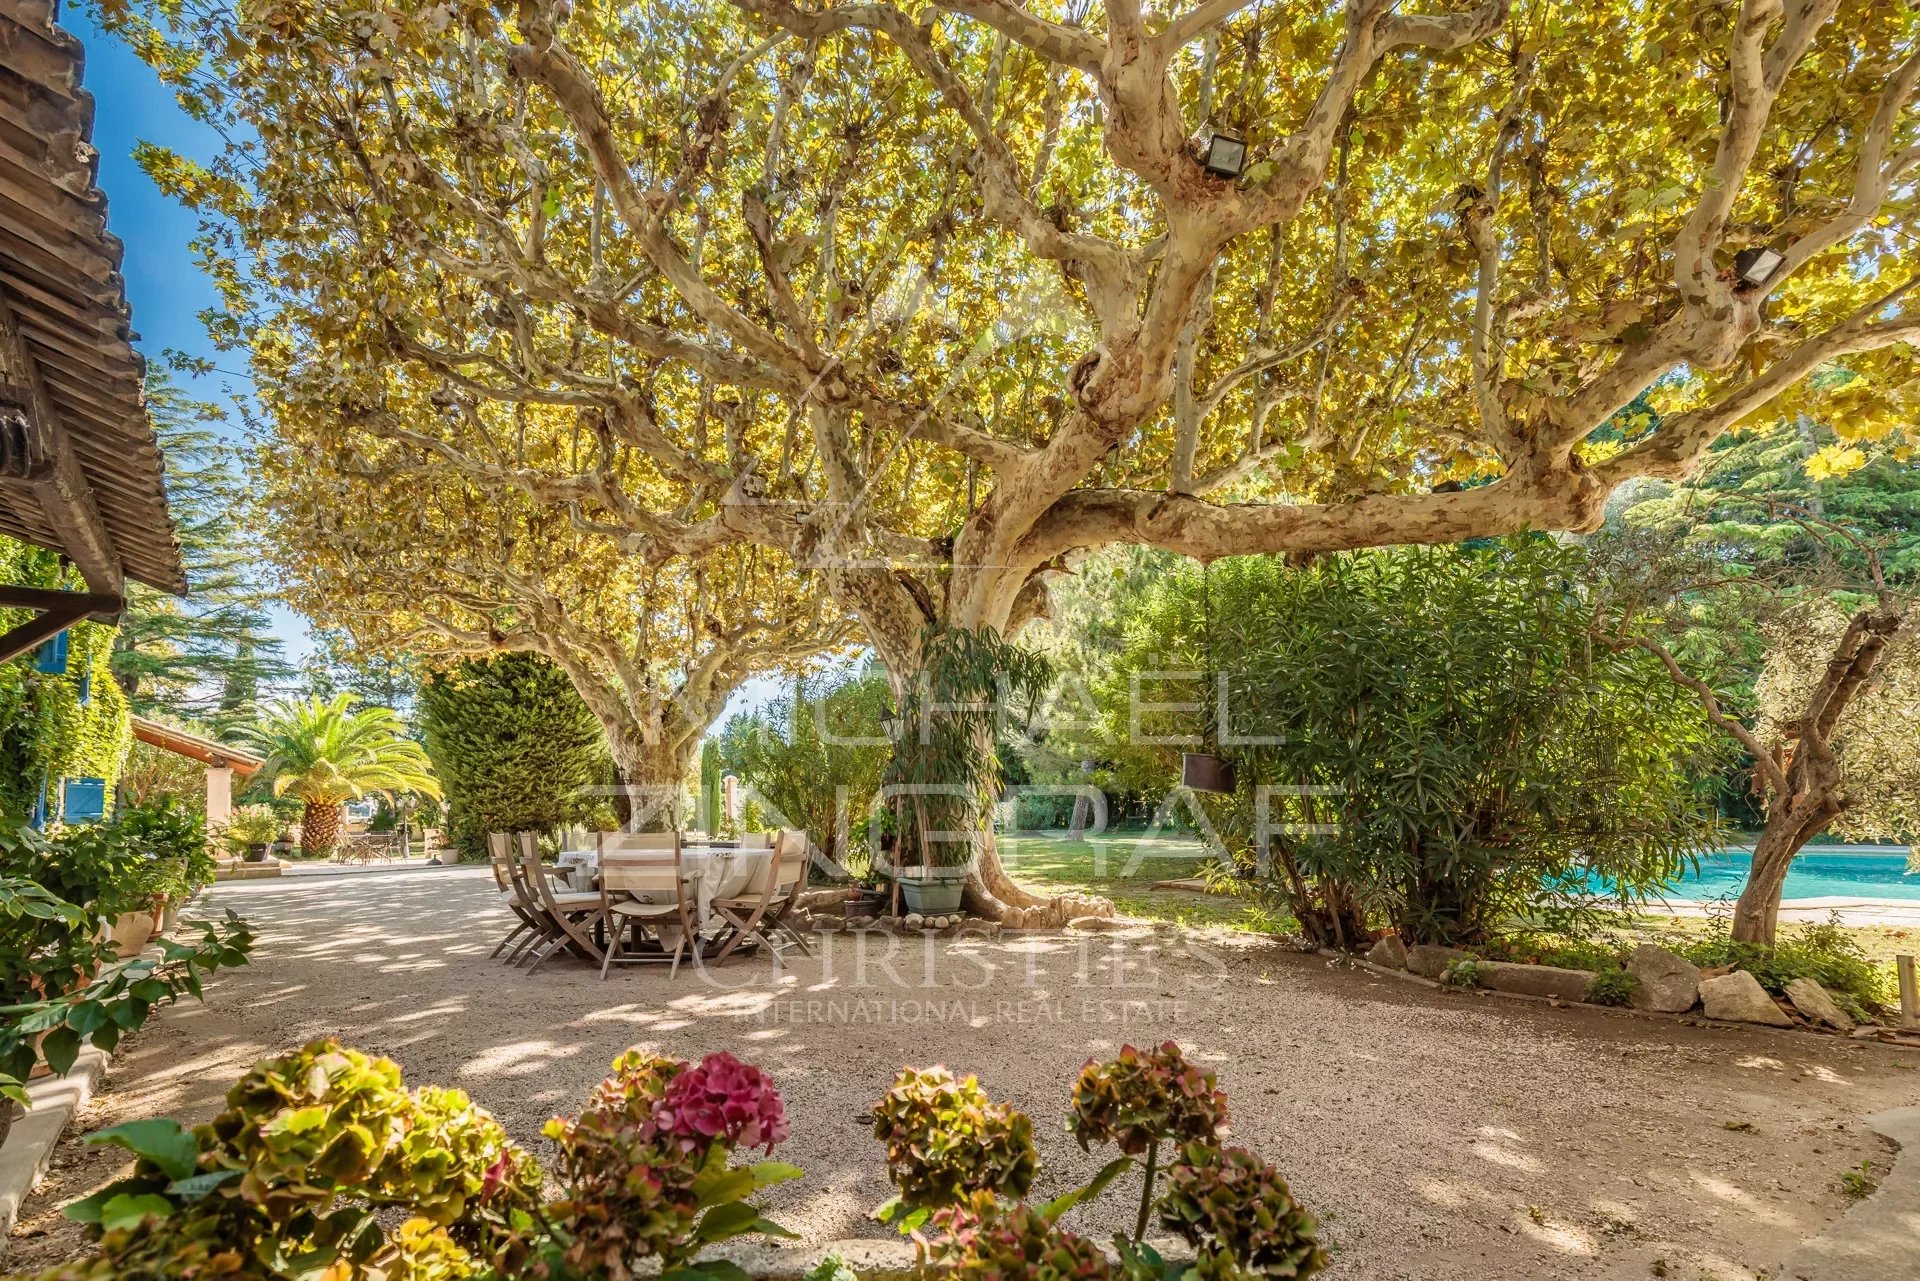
pixel 1800 777
pixel 1790 825
pixel 1082 810
pixel 653 776
pixel 320 827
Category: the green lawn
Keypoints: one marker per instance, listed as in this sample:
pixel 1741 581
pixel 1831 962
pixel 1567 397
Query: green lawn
pixel 1881 943
pixel 1122 866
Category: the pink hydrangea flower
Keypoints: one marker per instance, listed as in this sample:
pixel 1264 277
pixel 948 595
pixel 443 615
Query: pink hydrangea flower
pixel 723 1098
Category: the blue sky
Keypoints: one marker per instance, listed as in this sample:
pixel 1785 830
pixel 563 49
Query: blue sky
pixel 167 291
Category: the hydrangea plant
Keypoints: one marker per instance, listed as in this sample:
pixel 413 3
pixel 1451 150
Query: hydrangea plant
pixel 325 1167
pixel 722 1099
pixel 293 1174
pixel 1142 1099
pixel 985 1239
pixel 648 1167
pixel 946 1139
pixel 302 1173
pixel 1145 1097
pixel 1239 1215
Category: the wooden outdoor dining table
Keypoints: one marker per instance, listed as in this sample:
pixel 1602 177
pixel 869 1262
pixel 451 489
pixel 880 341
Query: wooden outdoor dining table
pixel 714 869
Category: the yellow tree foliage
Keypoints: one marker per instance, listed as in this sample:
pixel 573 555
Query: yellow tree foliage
pixel 381 538
pixel 931 297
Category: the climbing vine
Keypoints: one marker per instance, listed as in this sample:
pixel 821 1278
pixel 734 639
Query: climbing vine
pixel 52 726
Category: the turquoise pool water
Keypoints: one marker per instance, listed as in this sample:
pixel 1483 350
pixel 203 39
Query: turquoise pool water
pixel 1860 875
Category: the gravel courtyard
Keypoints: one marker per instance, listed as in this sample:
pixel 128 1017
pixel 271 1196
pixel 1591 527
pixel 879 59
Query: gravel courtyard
pixel 1436 1136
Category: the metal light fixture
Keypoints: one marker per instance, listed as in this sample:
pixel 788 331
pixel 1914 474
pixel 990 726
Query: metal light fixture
pixel 1757 265
pixel 1206 772
pixel 1226 154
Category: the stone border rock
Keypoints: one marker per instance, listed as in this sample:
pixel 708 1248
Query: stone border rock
pixel 1869 1032
pixel 36 1132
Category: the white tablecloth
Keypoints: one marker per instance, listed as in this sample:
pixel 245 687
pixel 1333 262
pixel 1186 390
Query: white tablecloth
pixel 712 872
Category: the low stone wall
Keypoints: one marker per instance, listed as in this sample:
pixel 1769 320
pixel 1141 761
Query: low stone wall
pixel 1664 983
pixel 236 869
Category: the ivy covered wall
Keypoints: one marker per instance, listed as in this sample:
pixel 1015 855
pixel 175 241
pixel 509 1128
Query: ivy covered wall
pixel 72 725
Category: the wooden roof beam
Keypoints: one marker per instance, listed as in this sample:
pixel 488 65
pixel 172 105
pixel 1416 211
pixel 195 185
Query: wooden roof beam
pixel 36 456
pixel 58 611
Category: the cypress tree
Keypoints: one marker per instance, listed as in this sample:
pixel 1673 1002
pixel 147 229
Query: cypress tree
pixel 513 746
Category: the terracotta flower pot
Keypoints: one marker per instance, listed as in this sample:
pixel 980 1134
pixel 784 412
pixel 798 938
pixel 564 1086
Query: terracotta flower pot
pixel 131 932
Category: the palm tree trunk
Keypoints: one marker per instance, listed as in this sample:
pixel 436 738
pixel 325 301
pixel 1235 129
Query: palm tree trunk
pixel 320 828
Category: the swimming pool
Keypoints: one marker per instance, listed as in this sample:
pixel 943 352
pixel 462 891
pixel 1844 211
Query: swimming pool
pixel 1841 874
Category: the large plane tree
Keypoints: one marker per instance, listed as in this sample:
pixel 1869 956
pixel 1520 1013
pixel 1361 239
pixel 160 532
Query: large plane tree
pixel 930 297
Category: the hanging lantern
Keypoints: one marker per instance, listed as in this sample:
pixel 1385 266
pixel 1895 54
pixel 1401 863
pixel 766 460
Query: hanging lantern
pixel 1226 154
pixel 1206 772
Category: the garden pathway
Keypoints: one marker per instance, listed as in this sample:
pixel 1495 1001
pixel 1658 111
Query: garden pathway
pixel 1438 1136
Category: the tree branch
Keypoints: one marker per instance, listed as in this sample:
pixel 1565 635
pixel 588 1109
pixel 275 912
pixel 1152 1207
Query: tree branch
pixel 1710 703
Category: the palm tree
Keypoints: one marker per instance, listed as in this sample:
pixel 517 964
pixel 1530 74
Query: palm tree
pixel 327 753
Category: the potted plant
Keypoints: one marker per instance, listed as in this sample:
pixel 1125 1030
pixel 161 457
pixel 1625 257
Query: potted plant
pixel 864 899
pixel 170 844
pixel 944 771
pixel 250 830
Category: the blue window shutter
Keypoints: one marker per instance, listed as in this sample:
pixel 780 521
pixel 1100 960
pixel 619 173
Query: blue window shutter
pixel 86 800
pixel 51 657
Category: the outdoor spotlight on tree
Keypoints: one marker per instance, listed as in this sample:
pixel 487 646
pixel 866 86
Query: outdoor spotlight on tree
pixel 1226 154
pixel 1756 266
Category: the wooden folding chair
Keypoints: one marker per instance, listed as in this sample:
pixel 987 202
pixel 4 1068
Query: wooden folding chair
pixel 642 884
pixel 761 911
pixel 573 913
pixel 513 897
